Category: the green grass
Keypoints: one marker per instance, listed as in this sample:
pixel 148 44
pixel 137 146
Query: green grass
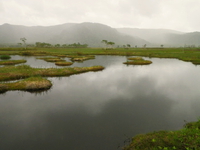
pixel 29 84
pixel 80 58
pixel 12 62
pixel 135 58
pixel 28 73
pixel 51 59
pixel 187 138
pixel 5 57
pixel 63 63
pixel 24 71
pixel 137 61
pixel 185 54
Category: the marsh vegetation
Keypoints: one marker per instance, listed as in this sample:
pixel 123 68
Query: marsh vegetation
pixel 137 61
pixel 187 138
pixel 12 62
pixel 5 57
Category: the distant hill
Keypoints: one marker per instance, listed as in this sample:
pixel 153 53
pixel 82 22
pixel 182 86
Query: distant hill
pixel 84 33
pixel 93 33
pixel 187 39
pixel 164 36
pixel 154 36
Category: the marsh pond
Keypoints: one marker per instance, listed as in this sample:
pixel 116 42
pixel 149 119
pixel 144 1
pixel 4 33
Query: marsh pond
pixel 100 110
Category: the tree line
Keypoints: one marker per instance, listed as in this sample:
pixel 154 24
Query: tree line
pixel 74 45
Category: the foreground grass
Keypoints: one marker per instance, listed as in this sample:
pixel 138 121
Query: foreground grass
pixel 24 71
pixel 29 84
pixel 187 138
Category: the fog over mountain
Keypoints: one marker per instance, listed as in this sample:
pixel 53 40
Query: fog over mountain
pixel 164 36
pixel 154 36
pixel 93 33
pixel 85 33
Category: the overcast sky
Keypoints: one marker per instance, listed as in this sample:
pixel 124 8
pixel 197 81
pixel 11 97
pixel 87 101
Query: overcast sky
pixel 182 15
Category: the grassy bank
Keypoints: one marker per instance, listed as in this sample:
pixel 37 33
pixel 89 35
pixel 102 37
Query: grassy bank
pixel 187 138
pixel 185 54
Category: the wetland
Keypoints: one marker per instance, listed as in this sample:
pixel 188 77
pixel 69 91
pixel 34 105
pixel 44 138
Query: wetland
pixel 99 109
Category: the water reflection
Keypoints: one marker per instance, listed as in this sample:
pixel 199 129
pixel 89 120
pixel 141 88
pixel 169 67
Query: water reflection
pixel 99 110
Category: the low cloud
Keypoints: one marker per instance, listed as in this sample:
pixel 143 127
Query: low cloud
pixel 172 14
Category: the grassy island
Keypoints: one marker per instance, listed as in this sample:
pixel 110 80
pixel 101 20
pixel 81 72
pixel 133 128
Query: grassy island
pixel 80 58
pixel 137 61
pixel 63 63
pixel 12 62
pixel 51 59
pixel 28 73
pixel 29 84
pixel 24 71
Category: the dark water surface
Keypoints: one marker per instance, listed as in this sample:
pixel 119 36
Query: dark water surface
pixel 99 110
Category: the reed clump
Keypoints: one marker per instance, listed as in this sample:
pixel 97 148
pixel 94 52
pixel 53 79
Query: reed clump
pixel 137 61
pixel 80 58
pixel 63 63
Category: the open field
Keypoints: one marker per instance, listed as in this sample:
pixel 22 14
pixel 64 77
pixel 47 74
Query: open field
pixel 185 54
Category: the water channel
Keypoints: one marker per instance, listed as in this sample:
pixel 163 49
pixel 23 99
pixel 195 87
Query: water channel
pixel 100 110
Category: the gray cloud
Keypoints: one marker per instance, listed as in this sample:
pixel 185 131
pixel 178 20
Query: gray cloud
pixel 172 14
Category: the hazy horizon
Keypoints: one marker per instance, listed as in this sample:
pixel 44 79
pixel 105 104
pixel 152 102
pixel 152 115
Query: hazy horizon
pixel 146 14
pixel 146 28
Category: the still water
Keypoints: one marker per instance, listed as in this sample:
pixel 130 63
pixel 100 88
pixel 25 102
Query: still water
pixel 100 110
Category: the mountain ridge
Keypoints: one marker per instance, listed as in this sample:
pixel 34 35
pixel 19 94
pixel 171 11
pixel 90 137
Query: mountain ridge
pixel 93 33
pixel 88 33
